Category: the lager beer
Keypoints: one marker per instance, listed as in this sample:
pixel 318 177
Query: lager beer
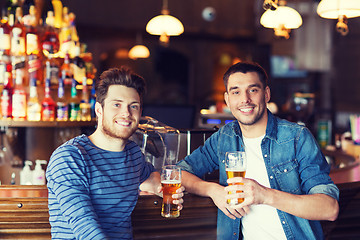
pixel 168 209
pixel 230 173
pixel 235 166
pixel 170 181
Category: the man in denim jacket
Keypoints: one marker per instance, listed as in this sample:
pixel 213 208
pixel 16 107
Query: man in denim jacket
pixel 293 190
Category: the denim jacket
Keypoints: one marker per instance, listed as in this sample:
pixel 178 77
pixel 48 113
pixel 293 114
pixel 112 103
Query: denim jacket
pixel 294 164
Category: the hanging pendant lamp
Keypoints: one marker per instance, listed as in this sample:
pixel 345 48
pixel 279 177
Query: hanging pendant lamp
pixel 139 50
pixel 165 25
pixel 341 10
pixel 282 20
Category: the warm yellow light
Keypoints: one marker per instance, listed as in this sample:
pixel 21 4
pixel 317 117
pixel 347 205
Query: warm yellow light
pixel 332 9
pixel 341 10
pixel 165 24
pixel 283 16
pixel 139 51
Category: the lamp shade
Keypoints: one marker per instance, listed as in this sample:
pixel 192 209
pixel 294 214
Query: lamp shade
pixel 283 16
pixel 165 24
pixel 139 51
pixel 332 9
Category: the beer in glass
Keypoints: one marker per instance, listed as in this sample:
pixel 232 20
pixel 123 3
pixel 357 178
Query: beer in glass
pixel 235 166
pixel 170 181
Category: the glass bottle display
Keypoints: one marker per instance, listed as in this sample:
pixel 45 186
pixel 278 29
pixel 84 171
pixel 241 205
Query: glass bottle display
pixel 85 109
pixel 33 105
pixel 48 104
pixel 19 99
pixel 61 104
pixel 74 103
pixel 6 96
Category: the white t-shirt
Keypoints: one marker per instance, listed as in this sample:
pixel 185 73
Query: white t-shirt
pixel 263 221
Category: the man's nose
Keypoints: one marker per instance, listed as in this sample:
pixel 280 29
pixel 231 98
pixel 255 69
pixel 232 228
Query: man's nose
pixel 125 111
pixel 245 97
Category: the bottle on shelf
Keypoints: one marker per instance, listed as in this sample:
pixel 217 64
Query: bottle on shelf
pixel 93 100
pixel 66 43
pixel 78 65
pixel 48 104
pixel 26 174
pixel 74 103
pixel 19 99
pixel 52 69
pixel 18 48
pixel 65 69
pixel 33 50
pixel 38 175
pixel 85 109
pixel 33 105
pixel 6 95
pixel 5 35
pixel 62 112
pixel 50 41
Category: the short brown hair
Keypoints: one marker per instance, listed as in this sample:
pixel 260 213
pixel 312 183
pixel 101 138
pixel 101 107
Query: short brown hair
pixel 245 67
pixel 119 76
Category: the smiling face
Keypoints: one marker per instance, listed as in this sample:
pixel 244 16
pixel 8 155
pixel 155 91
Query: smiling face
pixel 246 97
pixel 119 118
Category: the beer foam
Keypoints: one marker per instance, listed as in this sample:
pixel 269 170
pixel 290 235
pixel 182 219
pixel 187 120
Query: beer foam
pixel 235 169
pixel 171 181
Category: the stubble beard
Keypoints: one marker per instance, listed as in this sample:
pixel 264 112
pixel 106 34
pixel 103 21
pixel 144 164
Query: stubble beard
pixel 114 133
pixel 257 117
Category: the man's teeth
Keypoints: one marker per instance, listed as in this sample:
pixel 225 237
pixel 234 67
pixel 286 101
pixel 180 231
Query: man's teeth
pixel 246 109
pixel 124 123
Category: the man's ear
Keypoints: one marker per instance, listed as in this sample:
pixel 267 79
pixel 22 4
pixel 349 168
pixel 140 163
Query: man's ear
pixel 98 110
pixel 267 94
pixel 226 97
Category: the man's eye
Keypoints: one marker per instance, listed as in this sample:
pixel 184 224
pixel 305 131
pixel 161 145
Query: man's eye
pixel 253 90
pixel 116 105
pixel 235 92
pixel 135 107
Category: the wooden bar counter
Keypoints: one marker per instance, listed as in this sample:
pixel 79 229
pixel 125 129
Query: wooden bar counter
pixel 24 215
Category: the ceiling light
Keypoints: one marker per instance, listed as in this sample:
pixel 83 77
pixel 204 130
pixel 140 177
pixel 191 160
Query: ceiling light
pixel 282 20
pixel 139 50
pixel 341 10
pixel 165 25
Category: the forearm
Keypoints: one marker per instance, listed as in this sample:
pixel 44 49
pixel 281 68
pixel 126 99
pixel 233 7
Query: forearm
pixel 194 184
pixel 312 207
pixel 152 184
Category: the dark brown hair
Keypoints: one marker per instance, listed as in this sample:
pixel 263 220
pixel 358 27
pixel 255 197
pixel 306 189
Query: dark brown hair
pixel 245 67
pixel 119 76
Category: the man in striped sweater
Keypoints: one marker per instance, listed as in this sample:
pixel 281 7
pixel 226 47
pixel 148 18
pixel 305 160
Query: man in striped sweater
pixel 93 181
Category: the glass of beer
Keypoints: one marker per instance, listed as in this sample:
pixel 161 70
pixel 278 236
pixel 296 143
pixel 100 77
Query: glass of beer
pixel 235 166
pixel 170 181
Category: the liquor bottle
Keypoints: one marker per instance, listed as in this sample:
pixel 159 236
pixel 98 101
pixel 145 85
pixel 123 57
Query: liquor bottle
pixel 93 100
pixel 6 95
pixel 61 104
pixel 17 34
pixel 33 50
pixel 33 105
pixel 17 49
pixel 74 103
pixel 19 99
pixel 65 69
pixel 5 63
pixel 5 35
pixel 52 69
pixel 78 65
pixel 50 41
pixel 66 43
pixel 85 110
pixel 48 104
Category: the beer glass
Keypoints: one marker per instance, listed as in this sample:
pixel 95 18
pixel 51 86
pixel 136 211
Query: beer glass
pixel 170 181
pixel 235 166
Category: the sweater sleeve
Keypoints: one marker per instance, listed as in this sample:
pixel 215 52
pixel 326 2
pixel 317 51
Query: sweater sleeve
pixel 69 192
